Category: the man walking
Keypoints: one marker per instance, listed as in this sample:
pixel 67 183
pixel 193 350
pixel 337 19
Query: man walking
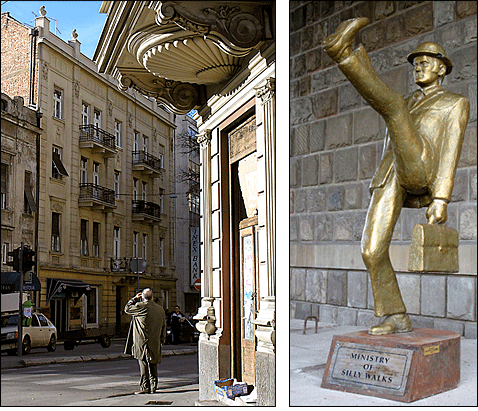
pixel 176 319
pixel 147 334
pixel 421 151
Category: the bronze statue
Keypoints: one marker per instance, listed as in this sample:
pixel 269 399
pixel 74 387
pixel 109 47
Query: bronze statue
pixel 421 151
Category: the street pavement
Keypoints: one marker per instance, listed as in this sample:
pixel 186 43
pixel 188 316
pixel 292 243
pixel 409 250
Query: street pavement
pixel 308 357
pixel 85 352
pixel 185 395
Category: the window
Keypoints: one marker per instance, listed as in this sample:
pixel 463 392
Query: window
pixel 29 205
pixel 90 305
pixel 117 184
pixel 85 114
pixel 193 200
pixel 161 160
pixel 96 173
pixel 58 169
pixel 97 122
pixel 145 144
pixel 58 103
pixel 84 237
pixel 117 133
pixel 116 242
pixel 83 170
pixel 136 141
pixel 96 239
pixel 5 248
pixel 55 232
pixel 4 190
pixel 145 245
pixel 135 189
pixel 96 179
pixel 144 191
pixel 42 319
pixel 161 252
pixel 161 202
pixel 135 244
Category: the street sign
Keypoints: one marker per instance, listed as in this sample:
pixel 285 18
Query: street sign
pixel 138 265
pixel 197 284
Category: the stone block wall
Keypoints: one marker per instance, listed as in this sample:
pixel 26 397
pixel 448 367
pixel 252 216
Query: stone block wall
pixel 336 141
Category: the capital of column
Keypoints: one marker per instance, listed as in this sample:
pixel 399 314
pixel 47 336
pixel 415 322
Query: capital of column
pixel 266 91
pixel 204 138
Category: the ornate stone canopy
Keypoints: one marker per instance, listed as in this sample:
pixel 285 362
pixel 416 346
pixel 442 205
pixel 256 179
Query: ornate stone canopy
pixel 180 51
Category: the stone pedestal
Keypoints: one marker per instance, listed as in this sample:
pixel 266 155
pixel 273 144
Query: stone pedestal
pixel 401 367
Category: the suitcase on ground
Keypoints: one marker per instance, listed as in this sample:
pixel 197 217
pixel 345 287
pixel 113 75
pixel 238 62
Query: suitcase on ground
pixel 434 248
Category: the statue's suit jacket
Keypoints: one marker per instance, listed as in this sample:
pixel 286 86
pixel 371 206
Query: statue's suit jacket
pixel 147 330
pixel 440 117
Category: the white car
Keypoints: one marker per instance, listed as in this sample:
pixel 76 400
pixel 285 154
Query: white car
pixel 40 333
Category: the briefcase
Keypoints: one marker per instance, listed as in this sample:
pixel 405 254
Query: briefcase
pixel 434 248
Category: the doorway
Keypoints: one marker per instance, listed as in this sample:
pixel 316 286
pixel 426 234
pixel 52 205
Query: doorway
pixel 59 313
pixel 243 210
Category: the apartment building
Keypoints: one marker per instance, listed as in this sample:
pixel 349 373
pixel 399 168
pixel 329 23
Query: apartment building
pixel 105 223
pixel 187 217
pixel 20 133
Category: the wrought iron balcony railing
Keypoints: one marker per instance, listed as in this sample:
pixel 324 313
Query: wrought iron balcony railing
pixel 95 193
pixel 142 158
pixel 147 209
pixel 92 133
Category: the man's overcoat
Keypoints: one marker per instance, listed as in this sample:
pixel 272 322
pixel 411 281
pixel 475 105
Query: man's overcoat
pixel 147 331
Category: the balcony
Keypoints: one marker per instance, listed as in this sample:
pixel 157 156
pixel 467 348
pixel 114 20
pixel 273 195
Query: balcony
pixel 146 211
pixel 97 140
pixel 95 196
pixel 147 163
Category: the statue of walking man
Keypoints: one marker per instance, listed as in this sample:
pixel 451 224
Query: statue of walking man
pixel 421 151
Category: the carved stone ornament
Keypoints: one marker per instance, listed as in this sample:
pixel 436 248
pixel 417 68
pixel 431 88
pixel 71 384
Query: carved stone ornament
pixel 232 27
pixel 110 108
pixel 57 207
pixel 76 88
pixel 266 92
pixel 130 120
pixel 179 97
pixel 204 138
pixel 44 70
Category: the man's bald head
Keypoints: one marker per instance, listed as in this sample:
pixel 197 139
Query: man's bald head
pixel 147 294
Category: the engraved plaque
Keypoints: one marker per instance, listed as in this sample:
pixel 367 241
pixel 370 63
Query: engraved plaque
pixel 380 369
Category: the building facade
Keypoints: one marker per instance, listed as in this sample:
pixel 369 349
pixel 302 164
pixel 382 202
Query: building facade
pixel 21 132
pixel 186 180
pixel 105 224
pixel 218 59
pixel 336 141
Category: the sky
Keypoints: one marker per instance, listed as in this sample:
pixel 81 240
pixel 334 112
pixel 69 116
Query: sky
pixel 83 16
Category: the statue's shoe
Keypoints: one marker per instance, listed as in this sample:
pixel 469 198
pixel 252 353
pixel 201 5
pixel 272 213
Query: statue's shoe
pixel 336 43
pixel 397 323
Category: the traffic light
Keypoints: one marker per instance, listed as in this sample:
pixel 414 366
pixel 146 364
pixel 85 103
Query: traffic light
pixel 16 260
pixel 27 260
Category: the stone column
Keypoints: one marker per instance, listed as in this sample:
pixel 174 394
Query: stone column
pixel 206 310
pixel 265 320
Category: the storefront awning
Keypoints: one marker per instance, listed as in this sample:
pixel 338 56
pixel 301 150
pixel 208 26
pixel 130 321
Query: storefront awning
pixel 72 288
pixel 11 283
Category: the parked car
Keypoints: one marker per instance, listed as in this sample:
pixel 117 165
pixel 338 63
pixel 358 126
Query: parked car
pixel 188 333
pixel 40 333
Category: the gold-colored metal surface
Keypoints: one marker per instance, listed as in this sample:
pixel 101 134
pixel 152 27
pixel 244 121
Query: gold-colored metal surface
pixel 434 248
pixel 421 151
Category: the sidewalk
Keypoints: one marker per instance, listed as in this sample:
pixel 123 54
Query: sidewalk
pixel 85 352
pixel 308 356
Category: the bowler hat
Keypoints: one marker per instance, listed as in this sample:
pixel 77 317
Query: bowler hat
pixel 434 50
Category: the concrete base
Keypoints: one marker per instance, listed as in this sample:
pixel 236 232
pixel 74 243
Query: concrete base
pixel 401 367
